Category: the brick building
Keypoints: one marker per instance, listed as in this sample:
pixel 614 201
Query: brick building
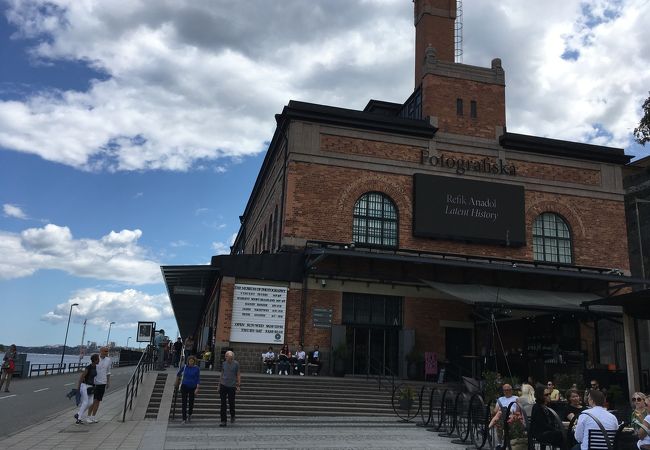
pixel 421 227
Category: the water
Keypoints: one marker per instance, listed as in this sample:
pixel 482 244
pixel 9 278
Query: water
pixel 43 358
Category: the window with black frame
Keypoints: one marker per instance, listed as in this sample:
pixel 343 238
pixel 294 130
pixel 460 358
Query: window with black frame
pixel 552 239
pixel 375 220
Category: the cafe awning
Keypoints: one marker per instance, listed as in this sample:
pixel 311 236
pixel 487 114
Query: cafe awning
pixel 530 299
pixel 636 304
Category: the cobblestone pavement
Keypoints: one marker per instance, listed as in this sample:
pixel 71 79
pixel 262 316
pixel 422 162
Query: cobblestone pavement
pixel 320 433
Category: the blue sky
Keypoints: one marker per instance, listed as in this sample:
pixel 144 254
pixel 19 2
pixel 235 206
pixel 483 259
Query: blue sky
pixel 131 134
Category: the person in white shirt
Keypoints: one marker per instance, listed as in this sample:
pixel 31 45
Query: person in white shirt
pixel 596 401
pixel 300 359
pixel 269 358
pixel 502 404
pixel 102 380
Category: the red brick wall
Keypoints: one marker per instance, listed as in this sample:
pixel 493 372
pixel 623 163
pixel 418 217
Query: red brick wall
pixel 224 318
pixel 424 316
pixel 321 299
pixel 555 172
pixel 320 202
pixel 376 149
pixel 439 96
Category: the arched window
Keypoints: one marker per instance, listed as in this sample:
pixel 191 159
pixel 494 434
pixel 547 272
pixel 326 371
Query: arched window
pixel 551 239
pixel 375 220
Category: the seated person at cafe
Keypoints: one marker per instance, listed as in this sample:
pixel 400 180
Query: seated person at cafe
pixel 542 422
pixel 500 407
pixel 283 360
pixel 639 412
pixel 554 393
pixel 644 428
pixel 585 423
pixel 575 405
pixel 269 359
pixel 300 360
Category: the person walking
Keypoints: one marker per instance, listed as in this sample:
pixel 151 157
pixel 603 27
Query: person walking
pixel 229 385
pixel 85 387
pixel 159 342
pixel 8 367
pixel 178 349
pixel 189 379
pixel 102 380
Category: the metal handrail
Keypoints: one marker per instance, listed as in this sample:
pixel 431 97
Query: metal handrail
pixel 144 365
pixel 54 368
pixel 390 379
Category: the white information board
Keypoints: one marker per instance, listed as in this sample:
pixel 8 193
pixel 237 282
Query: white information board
pixel 258 314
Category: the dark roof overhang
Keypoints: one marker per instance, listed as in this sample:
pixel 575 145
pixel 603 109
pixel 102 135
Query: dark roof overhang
pixel 556 147
pixel 331 115
pixel 636 304
pixel 283 266
pixel 604 281
pixel 189 289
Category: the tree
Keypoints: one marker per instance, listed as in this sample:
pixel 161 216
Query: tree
pixel 642 132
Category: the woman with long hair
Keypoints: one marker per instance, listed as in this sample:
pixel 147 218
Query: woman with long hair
pixel 541 420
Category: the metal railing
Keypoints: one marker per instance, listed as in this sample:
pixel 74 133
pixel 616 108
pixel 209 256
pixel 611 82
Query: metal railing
pixel 145 364
pixel 384 376
pixel 54 368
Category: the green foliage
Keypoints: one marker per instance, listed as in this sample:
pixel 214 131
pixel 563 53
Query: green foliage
pixel 492 388
pixel 642 132
pixel 408 393
pixel 2 348
pixel 614 394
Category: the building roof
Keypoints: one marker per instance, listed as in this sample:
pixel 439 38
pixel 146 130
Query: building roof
pixel 189 289
pixel 546 146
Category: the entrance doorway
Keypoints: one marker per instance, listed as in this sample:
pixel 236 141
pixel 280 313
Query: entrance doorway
pixel 372 326
pixel 373 350
pixel 458 347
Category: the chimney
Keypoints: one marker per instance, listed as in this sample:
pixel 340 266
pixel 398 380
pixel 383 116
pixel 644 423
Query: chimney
pixel 434 25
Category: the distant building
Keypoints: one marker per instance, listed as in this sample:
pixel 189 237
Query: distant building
pixel 422 226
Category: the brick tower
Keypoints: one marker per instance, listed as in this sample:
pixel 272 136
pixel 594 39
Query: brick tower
pixel 461 99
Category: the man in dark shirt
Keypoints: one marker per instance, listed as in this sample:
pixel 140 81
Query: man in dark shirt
pixel 178 348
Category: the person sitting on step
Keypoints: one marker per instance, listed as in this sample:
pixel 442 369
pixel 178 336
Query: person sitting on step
pixel 314 358
pixel 268 359
pixel 283 360
pixel 300 360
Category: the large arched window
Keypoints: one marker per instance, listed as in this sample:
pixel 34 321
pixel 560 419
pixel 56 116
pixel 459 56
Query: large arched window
pixel 551 239
pixel 375 220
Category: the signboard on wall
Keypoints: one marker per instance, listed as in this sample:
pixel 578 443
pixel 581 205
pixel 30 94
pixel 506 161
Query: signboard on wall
pixel 145 331
pixel 461 209
pixel 258 314
pixel 322 317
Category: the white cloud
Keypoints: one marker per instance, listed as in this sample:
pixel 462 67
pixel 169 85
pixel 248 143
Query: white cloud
pixel 223 248
pixel 115 257
pixel 125 308
pixel 14 211
pixel 185 84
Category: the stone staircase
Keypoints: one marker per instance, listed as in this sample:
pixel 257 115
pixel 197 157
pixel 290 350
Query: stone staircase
pixel 292 396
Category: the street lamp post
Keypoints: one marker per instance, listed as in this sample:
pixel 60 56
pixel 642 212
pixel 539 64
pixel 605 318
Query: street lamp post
pixel 65 341
pixel 109 332
pixel 127 341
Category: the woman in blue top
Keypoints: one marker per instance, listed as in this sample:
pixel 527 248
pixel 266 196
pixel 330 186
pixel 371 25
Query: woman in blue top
pixel 189 378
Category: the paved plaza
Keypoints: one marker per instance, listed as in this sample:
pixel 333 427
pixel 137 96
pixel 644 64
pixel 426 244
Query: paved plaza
pixel 60 432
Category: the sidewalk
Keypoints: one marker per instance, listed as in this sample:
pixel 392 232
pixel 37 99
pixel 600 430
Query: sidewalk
pixel 60 431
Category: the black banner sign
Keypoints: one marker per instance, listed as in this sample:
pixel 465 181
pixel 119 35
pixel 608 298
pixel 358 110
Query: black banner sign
pixel 468 210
